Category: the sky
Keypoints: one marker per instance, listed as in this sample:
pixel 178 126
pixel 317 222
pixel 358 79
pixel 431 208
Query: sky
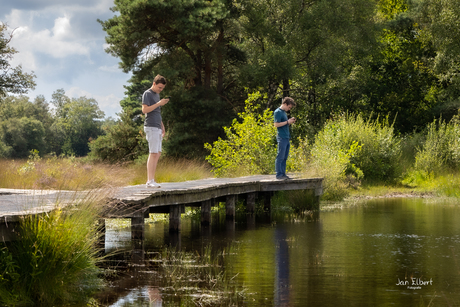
pixel 62 43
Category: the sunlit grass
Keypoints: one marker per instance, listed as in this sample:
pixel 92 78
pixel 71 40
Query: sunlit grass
pixel 55 260
pixel 172 170
pixel 78 174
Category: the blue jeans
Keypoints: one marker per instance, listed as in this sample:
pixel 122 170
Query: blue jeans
pixel 281 156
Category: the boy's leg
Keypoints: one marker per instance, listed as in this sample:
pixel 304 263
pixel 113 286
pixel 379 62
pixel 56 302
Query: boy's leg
pixel 152 163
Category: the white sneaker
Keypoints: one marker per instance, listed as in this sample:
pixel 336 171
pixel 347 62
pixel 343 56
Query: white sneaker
pixel 152 184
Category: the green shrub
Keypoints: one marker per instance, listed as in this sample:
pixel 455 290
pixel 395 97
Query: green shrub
pixel 349 149
pixel 54 260
pixel 249 147
pixel 441 150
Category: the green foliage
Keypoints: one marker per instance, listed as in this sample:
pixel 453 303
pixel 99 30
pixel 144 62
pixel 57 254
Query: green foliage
pixel 249 146
pixel 441 19
pixel 54 261
pixel 76 123
pixel 441 150
pixel 192 29
pixel 24 126
pixel 298 201
pixel 193 118
pixel 123 141
pixel 12 79
pixel 349 148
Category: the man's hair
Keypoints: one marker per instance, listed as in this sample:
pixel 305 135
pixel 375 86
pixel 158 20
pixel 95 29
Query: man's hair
pixel 159 79
pixel 288 101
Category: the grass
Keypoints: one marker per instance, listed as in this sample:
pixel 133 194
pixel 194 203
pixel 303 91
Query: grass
pixel 78 174
pixel 54 262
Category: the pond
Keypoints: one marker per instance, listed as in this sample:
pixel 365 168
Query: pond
pixel 395 251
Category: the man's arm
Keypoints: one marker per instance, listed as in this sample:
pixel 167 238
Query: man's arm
pixel 288 122
pixel 147 109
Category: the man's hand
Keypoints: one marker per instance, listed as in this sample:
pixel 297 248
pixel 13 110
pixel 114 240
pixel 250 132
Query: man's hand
pixel 163 101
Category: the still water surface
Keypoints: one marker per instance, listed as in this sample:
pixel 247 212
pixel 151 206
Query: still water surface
pixel 386 252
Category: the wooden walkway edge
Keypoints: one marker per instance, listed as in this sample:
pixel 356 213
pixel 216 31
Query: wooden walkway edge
pixel 137 202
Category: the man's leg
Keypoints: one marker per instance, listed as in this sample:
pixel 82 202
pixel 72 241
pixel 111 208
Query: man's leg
pixel 287 145
pixel 152 163
pixel 281 157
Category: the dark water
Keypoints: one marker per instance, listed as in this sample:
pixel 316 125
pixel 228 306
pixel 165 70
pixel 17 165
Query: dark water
pixel 392 252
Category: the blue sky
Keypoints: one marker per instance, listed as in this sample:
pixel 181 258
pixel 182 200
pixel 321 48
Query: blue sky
pixel 62 43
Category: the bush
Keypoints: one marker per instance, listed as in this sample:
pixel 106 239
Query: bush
pixel 249 147
pixel 349 149
pixel 123 141
pixel 441 150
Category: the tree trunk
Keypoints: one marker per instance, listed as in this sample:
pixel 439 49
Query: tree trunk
pixel 207 71
pixel 198 64
pixel 220 69
pixel 286 88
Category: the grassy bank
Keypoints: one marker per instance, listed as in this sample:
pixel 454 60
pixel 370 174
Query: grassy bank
pixel 79 174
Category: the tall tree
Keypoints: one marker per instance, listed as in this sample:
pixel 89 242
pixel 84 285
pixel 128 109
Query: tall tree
pixel 296 47
pixel 187 41
pixel 191 31
pixel 12 79
pixel 440 21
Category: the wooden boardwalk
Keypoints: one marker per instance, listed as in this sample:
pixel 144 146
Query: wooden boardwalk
pixel 137 202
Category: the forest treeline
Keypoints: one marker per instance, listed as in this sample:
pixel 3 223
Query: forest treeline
pixel 392 59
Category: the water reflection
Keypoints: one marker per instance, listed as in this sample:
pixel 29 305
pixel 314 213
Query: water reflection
pixel 400 252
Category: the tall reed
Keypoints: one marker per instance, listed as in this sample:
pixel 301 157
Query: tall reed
pixel 54 261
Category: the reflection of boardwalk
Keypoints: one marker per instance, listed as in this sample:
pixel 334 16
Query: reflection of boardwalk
pixel 137 202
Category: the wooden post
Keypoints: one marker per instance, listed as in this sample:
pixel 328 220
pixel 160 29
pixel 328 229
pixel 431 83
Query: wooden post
pixel 318 193
pixel 230 206
pixel 268 200
pixel 137 226
pixel 251 202
pixel 137 236
pixel 174 218
pixel 206 212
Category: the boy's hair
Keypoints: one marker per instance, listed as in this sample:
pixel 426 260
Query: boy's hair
pixel 288 101
pixel 159 79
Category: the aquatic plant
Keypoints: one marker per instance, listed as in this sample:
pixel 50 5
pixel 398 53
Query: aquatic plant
pixel 199 277
pixel 54 260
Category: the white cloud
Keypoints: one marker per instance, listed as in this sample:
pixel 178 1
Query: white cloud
pixel 58 43
pixel 111 69
pixel 62 43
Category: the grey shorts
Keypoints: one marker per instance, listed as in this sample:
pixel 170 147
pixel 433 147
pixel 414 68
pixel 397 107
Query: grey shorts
pixel 154 138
